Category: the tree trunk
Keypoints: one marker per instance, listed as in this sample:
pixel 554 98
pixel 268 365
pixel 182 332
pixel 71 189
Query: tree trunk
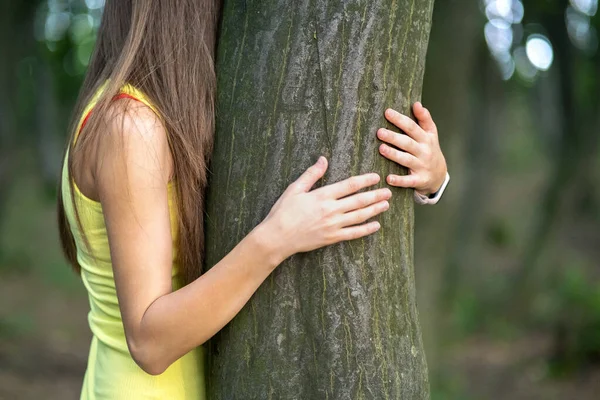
pixel 298 80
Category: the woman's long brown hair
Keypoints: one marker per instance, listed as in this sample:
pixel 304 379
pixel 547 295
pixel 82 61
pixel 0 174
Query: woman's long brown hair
pixel 165 48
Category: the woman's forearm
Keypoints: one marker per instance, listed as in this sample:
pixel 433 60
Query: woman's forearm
pixel 178 322
pixel 162 325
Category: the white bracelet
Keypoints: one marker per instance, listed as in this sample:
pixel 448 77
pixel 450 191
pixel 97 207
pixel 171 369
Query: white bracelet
pixel 434 197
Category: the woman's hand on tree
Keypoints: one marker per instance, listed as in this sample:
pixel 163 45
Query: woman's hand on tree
pixel 418 150
pixel 303 219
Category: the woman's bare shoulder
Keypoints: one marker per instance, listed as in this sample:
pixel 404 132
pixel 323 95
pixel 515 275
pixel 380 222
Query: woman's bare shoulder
pixel 135 141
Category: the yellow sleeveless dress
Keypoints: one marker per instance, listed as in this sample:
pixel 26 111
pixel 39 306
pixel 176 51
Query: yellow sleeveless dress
pixel 111 372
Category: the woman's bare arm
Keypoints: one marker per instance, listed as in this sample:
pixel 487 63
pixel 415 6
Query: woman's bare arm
pixel 131 173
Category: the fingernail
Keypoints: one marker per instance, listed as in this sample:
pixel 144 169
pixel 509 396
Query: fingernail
pixel 386 205
pixel 321 160
pixel 390 179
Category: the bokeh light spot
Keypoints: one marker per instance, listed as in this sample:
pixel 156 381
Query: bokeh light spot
pixel 94 4
pixel 588 7
pixel 539 52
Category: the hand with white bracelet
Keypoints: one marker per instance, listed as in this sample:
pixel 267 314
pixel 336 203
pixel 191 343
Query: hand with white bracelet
pixel 419 151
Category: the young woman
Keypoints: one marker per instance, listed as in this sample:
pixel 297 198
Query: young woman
pixel 130 206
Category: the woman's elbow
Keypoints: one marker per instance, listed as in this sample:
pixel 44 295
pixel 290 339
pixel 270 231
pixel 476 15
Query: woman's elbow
pixel 147 357
pixel 152 367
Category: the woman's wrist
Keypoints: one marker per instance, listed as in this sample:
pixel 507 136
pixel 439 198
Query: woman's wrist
pixel 435 185
pixel 264 239
pixel 434 197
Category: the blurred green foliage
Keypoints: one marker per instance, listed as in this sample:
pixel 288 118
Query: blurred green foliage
pixel 577 321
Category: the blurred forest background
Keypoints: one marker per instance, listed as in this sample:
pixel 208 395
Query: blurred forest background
pixel 507 264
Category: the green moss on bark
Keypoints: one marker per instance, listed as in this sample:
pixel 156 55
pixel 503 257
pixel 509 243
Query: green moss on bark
pixel 298 80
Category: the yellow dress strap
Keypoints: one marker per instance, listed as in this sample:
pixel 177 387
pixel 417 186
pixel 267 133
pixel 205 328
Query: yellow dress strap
pixel 127 91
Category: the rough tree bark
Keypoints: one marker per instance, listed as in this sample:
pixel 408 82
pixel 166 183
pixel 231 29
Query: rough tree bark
pixel 299 79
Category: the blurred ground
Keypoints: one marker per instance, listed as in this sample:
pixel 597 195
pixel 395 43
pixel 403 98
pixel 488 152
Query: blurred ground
pixel 44 336
pixel 515 370
pixel 43 350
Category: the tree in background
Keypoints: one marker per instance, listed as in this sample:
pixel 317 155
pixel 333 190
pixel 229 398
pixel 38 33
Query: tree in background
pixel 297 80
pixel 15 27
